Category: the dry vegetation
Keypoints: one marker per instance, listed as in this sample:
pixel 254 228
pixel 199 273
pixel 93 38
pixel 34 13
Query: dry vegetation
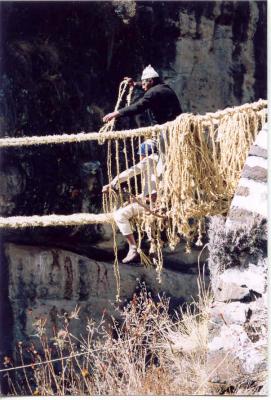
pixel 148 353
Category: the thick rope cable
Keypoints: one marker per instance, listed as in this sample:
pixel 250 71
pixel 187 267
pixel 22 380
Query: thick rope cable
pixel 55 220
pixel 74 138
pixel 110 201
pixel 202 160
pixel 147 132
pixel 109 126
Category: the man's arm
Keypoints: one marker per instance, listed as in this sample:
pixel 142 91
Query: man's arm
pixel 136 108
pixel 127 174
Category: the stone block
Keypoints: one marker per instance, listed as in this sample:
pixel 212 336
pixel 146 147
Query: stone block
pixel 223 368
pixel 232 346
pixel 229 313
pixel 236 284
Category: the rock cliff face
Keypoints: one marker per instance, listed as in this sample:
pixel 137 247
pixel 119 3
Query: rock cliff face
pixel 215 64
pixel 47 283
pixel 60 69
pixel 58 74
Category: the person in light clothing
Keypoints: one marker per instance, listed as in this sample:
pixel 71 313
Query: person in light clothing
pixel 146 167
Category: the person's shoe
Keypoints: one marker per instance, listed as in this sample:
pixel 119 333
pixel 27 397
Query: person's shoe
pixel 131 255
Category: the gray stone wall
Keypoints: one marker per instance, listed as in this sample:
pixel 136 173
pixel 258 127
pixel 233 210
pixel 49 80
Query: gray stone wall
pixel 250 199
pixel 239 268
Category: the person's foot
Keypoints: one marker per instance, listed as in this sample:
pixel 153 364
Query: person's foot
pixel 131 255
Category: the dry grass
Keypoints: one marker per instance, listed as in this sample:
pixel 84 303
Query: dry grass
pixel 147 353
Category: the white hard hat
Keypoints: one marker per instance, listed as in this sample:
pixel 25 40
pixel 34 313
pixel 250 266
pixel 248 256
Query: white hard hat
pixel 149 73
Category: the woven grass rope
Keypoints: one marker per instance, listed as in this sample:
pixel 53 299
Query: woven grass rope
pixel 203 156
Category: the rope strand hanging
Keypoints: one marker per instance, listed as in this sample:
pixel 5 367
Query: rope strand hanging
pixel 203 157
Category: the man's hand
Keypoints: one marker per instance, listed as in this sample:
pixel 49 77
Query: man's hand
pixel 106 188
pixel 110 116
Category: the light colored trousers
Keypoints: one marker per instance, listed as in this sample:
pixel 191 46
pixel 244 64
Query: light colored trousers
pixel 162 153
pixel 124 214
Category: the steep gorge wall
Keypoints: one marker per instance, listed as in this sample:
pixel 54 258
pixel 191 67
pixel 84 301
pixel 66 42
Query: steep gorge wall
pixel 48 283
pixel 58 74
pixel 215 64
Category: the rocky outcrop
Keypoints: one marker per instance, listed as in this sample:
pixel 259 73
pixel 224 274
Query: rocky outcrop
pixel 62 63
pixel 59 75
pixel 239 269
pixel 50 283
pixel 251 194
pixel 214 64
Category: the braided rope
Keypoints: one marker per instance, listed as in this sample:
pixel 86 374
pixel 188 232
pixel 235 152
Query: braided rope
pixel 109 126
pixel 108 202
pixel 147 132
pixel 203 160
pixel 55 220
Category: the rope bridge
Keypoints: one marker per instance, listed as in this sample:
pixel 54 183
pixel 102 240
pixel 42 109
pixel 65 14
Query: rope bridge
pixel 206 120
pixel 202 158
pixel 55 220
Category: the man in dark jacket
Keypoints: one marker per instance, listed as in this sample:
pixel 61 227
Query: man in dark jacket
pixel 159 99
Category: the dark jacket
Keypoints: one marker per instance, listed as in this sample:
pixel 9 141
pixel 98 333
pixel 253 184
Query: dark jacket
pixel 162 102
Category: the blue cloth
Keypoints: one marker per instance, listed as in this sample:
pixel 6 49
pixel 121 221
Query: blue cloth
pixel 148 148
